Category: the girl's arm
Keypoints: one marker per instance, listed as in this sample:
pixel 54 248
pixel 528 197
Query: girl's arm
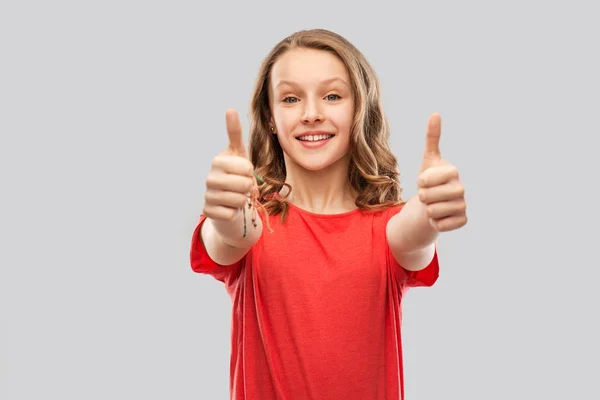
pixel 228 232
pixel 439 206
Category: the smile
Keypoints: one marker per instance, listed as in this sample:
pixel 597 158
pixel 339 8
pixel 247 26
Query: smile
pixel 314 138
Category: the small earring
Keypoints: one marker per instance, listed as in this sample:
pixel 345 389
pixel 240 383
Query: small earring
pixel 272 129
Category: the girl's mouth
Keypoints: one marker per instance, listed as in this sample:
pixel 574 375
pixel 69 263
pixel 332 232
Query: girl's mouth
pixel 314 141
pixel 314 138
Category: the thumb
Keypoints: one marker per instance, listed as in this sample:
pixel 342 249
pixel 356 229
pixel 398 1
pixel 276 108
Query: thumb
pixel 234 132
pixel 432 141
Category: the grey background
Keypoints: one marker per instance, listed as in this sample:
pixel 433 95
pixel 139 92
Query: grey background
pixel 111 111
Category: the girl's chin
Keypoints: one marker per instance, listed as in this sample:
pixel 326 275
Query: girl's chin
pixel 317 164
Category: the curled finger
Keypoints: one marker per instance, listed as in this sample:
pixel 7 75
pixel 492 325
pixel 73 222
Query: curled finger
pixel 229 182
pixel 225 198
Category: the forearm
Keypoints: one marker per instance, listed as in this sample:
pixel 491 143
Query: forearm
pixel 224 240
pixel 411 236
pixel 416 232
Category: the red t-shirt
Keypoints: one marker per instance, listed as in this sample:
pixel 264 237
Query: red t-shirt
pixel 317 308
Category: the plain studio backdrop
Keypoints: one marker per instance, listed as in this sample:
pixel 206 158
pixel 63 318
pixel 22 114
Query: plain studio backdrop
pixel 110 113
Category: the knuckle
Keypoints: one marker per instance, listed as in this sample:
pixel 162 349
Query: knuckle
pixel 448 167
pixel 230 214
pixel 430 210
pixel 246 166
pixel 210 199
pixel 208 212
pixel 460 190
pixel 442 226
pixel 249 184
pixel 246 162
pixel 211 181
pixel 217 161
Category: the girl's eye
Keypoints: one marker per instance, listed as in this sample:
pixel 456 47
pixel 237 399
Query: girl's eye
pixel 331 97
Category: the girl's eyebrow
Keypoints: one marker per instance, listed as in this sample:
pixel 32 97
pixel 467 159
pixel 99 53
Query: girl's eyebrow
pixel 323 82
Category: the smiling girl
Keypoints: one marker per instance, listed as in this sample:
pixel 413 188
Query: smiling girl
pixel 309 232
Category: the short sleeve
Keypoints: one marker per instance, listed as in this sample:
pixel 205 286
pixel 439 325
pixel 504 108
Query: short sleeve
pixel 201 262
pixel 424 277
pixel 407 279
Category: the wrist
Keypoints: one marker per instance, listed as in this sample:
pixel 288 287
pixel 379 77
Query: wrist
pixel 239 232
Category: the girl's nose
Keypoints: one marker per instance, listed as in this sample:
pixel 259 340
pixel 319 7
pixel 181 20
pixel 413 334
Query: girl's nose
pixel 312 113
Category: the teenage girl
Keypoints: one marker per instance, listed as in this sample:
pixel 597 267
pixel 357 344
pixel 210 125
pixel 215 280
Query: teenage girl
pixel 309 233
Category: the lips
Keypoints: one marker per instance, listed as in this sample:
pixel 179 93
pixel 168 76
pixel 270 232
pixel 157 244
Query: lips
pixel 314 140
pixel 314 136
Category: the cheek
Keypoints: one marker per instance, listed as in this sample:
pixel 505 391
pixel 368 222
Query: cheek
pixel 284 127
pixel 343 119
pixel 285 120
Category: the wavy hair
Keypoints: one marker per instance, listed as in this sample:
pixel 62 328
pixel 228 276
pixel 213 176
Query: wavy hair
pixel 373 170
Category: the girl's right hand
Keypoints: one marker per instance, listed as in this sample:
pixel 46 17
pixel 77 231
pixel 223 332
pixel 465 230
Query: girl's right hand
pixel 230 179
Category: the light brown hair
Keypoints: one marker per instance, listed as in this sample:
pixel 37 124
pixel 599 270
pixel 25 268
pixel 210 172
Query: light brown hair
pixel 373 170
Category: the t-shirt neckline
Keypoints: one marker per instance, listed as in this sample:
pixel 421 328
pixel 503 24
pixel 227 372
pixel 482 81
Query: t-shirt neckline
pixel 321 215
pixel 318 215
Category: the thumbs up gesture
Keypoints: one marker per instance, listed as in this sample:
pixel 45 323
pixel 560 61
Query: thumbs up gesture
pixel 230 178
pixel 439 187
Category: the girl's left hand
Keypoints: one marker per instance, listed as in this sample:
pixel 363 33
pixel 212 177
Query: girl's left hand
pixel 439 186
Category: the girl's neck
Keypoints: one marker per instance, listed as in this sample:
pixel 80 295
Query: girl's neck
pixel 327 191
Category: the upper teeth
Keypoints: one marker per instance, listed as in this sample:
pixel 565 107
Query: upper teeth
pixel 312 138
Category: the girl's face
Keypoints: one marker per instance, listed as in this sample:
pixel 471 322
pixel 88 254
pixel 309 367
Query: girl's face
pixel 312 107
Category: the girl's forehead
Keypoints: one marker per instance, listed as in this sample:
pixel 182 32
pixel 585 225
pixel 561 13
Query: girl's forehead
pixel 304 66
